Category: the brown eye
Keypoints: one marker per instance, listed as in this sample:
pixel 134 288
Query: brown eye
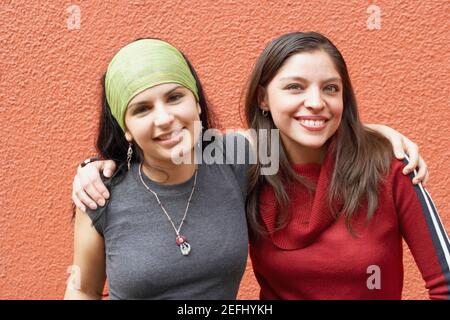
pixel 294 86
pixel 332 88
pixel 140 109
pixel 175 97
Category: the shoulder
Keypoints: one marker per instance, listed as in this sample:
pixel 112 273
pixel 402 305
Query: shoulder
pixel 119 185
pixel 399 184
pixel 96 217
pixel 396 171
pixel 397 166
pixel 230 152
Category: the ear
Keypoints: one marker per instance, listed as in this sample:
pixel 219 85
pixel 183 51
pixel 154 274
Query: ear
pixel 199 110
pixel 261 96
pixel 128 136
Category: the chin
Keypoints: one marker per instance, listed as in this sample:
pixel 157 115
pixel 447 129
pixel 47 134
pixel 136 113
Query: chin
pixel 184 149
pixel 314 146
pixel 312 142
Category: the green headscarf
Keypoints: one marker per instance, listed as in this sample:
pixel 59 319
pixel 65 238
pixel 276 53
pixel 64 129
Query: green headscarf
pixel 140 65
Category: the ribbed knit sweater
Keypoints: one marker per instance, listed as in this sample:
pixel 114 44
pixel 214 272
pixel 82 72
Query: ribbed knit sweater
pixel 315 256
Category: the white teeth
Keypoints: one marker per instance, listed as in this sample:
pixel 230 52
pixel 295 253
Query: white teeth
pixel 164 137
pixel 313 123
pixel 169 135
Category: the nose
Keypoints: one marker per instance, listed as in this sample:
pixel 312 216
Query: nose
pixel 314 99
pixel 163 117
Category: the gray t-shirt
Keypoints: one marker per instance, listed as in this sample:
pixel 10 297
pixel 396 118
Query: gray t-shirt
pixel 142 259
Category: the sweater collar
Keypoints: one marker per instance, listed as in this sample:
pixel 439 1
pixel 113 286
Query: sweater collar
pixel 309 211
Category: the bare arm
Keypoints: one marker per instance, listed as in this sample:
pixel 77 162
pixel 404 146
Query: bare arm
pixel 88 188
pixel 402 145
pixel 88 275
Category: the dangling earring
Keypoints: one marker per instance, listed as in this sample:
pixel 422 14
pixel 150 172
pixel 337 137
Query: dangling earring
pixel 199 141
pixel 265 113
pixel 129 155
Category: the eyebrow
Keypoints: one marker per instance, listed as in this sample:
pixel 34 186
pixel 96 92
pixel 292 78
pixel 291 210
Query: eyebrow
pixel 145 103
pixel 305 80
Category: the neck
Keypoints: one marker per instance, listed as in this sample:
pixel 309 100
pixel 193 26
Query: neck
pixel 307 156
pixel 299 154
pixel 168 173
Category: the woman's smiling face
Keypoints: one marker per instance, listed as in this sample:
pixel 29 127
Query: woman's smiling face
pixel 305 99
pixel 160 120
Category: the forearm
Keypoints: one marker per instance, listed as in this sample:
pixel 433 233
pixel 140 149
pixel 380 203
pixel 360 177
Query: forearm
pixel 375 127
pixel 75 294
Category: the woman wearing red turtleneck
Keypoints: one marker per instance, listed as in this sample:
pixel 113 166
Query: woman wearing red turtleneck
pixel 330 224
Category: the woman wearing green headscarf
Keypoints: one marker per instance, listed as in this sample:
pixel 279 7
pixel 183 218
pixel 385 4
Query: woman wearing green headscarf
pixel 168 230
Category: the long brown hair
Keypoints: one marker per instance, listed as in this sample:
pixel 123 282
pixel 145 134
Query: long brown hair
pixel 362 156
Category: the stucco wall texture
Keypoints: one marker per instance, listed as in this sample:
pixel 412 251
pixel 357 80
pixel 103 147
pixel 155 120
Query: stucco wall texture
pixel 50 93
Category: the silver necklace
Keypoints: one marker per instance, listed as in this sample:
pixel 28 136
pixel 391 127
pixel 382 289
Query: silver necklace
pixel 180 240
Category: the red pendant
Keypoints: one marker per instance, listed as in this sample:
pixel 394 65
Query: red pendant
pixel 180 239
pixel 185 247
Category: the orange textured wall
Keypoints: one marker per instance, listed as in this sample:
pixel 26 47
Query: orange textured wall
pixel 49 98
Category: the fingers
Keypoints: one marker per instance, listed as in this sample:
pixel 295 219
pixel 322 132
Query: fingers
pixel 99 187
pixel 109 166
pixel 426 179
pixel 92 192
pixel 80 198
pixel 416 162
pixel 78 203
pixel 398 148
pixel 422 173
pixel 413 152
pixel 394 137
pixel 402 145
pixel 91 188
pixel 88 187
pixel 84 199
pixel 75 198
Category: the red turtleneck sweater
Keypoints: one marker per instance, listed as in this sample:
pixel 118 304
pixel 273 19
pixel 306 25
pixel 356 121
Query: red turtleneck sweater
pixel 315 257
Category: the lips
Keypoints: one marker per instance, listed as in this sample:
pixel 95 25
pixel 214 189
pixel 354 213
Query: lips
pixel 312 123
pixel 169 139
pixel 170 135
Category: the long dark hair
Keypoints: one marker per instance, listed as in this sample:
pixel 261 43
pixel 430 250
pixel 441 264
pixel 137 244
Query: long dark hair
pixel 362 156
pixel 111 143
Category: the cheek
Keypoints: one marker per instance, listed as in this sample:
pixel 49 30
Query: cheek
pixel 187 112
pixel 139 128
pixel 335 105
pixel 282 108
pixel 285 123
pixel 337 110
pixel 283 105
